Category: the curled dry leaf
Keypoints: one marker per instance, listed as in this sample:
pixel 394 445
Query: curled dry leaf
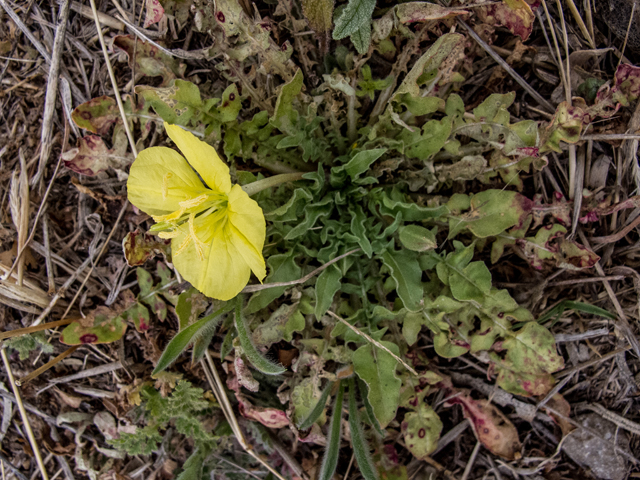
pixel 491 427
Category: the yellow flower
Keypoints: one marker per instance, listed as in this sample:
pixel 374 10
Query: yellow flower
pixel 217 232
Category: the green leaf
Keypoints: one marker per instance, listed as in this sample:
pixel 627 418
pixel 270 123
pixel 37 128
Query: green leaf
pixel 364 392
pixel 193 467
pixel 356 14
pixel 406 273
pixel 361 38
pixel 428 62
pixel 578 307
pixel 359 163
pixel 421 430
pixel 273 330
pixel 317 410
pixel 181 341
pixel 435 134
pixel 378 370
pixel 282 268
pixel 191 303
pixel 470 283
pixel 417 239
pixel 177 104
pixel 332 450
pixel 327 285
pixel 358 442
pixel 492 212
pixel 260 362
pixel 149 59
pixel 285 117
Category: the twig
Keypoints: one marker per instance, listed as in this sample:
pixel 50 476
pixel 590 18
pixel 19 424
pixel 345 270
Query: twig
pixel 23 414
pixel 52 92
pixel 300 281
pixel 90 372
pixel 471 461
pixel 221 396
pixel 626 36
pixel 576 337
pixel 521 81
pixel 46 366
pixel 105 19
pixel 619 235
pixel 37 328
pixel 373 342
pixel 114 83
pixel 623 324
pixel 619 420
pixel 590 363
pixel 102 250
pixel 12 467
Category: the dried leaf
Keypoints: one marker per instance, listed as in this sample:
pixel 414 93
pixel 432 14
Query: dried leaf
pixel 138 247
pixel 92 156
pixel 153 13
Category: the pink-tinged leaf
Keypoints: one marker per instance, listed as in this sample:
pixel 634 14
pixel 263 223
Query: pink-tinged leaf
pixel 515 15
pixel 560 210
pixel 149 59
pixel 154 12
pixel 138 247
pixel 565 126
pixel 107 425
pixel 540 248
pixel 595 207
pixel 91 156
pixel 574 256
pixel 412 12
pixel 314 436
pixel 97 115
pixel 139 315
pixel 491 427
pixel 627 83
pixel 269 417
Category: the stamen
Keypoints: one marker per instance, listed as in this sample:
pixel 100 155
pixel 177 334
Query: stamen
pixel 165 185
pixel 192 232
pixel 171 234
pixel 193 202
pixel 170 216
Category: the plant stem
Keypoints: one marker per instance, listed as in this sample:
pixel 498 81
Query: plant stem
pixel 269 182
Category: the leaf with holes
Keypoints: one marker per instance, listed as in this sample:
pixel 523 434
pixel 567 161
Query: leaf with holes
pixel 97 115
pixel 149 59
pixel 529 362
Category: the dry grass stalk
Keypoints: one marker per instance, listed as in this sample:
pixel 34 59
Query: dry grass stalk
pixel 46 366
pixel 23 414
pixel 19 202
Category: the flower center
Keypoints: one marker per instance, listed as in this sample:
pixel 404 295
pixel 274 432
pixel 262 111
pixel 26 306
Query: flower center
pixel 192 212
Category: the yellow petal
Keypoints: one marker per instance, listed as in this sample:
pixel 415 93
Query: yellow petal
pixel 247 228
pixel 159 179
pixel 221 274
pixel 203 157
